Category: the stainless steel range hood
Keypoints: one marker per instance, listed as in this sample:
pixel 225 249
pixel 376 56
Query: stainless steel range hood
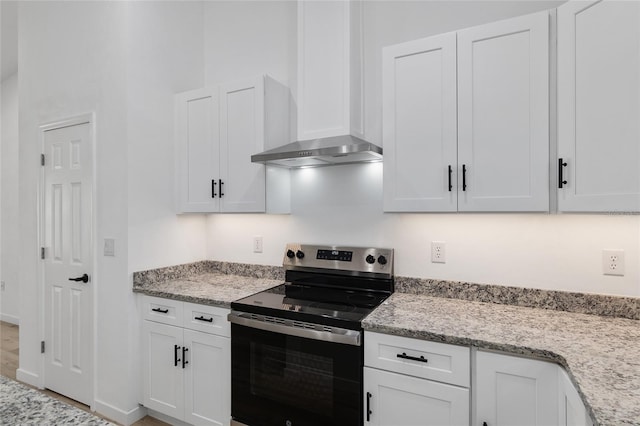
pixel 330 151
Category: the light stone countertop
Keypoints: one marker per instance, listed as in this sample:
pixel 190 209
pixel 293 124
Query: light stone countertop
pixel 601 354
pixel 209 288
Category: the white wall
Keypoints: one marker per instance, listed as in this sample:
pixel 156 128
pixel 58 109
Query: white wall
pixel 9 213
pixel 343 204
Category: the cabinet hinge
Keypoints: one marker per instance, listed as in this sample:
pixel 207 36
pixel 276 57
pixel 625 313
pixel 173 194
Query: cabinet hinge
pixel 42 159
pixel 41 252
pixel 42 347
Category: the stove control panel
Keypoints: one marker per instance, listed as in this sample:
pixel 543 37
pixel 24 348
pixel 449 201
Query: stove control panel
pixel 356 259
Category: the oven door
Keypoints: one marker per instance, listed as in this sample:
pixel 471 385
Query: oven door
pixel 291 380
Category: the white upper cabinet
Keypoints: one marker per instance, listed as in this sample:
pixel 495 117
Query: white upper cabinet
pixel 503 115
pixel 197 144
pixel 599 106
pixel 217 131
pixel 419 125
pixel 466 119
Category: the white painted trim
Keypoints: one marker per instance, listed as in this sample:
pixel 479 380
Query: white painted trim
pixel 11 319
pixel 125 418
pixel 29 378
pixel 84 118
pixel 167 419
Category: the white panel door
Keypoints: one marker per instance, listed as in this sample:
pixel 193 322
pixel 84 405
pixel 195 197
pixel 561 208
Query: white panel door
pixel 599 106
pixel 163 377
pixel 242 183
pixel 68 316
pixel 419 125
pixel 571 410
pixel 399 400
pixel 503 115
pixel 513 391
pixel 207 379
pixel 197 151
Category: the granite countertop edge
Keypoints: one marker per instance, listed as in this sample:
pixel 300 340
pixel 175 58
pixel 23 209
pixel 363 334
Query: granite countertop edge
pixel 182 298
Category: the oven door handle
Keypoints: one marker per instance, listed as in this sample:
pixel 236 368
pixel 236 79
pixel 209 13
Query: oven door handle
pixel 336 335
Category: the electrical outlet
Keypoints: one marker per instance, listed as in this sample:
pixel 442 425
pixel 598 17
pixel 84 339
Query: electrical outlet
pixel 257 244
pixel 109 247
pixel 2 286
pixel 438 254
pixel 613 262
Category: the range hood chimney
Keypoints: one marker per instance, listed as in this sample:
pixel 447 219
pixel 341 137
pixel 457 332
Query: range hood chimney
pixel 329 96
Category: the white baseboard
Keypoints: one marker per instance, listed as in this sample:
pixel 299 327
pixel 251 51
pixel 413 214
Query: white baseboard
pixel 11 319
pixel 125 418
pixel 29 378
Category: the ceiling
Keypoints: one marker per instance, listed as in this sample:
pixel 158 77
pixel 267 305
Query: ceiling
pixel 8 38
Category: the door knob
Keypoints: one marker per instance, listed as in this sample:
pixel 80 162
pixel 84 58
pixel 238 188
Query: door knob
pixel 84 278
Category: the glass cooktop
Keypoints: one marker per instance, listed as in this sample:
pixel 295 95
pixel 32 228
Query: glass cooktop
pixel 339 307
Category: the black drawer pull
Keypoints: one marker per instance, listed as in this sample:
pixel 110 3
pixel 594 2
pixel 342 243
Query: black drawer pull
pixel 202 318
pixel 450 171
pixel 561 166
pixel 221 183
pixel 464 177
pixel 160 310
pixel 175 355
pixel 368 406
pixel 184 356
pixel 213 188
pixel 403 355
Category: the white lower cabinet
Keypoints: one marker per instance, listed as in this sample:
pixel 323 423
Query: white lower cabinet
pixel 411 382
pixel 186 372
pixel 572 411
pixel 398 400
pixel 515 391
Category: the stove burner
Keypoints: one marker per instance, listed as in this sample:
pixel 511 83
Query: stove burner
pixel 363 299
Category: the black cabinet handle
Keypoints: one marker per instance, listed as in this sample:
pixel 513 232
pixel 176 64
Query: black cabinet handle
pixel 202 318
pixel 450 187
pixel 175 355
pixel 221 183
pixel 160 310
pixel 368 406
pixel 403 355
pixel 213 188
pixel 464 177
pixel 484 424
pixel 184 356
pixel 84 278
pixel 561 166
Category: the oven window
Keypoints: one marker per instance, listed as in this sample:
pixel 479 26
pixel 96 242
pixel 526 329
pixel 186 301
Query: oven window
pixel 302 377
pixel 279 380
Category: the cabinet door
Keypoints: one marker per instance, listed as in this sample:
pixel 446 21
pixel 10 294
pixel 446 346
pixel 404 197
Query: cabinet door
pixel 162 374
pixel 241 135
pixel 512 391
pixel 572 411
pixel 399 400
pixel 197 151
pixel 207 379
pixel 419 122
pixel 503 115
pixel 599 105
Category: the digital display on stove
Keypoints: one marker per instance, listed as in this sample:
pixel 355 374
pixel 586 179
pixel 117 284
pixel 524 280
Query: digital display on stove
pixel 344 256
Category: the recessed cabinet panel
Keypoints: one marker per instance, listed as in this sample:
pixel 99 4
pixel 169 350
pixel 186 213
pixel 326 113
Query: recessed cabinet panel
pixel 599 105
pixel 419 113
pixel 503 115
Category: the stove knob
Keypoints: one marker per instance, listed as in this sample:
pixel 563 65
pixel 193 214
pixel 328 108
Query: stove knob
pixel 382 260
pixel 290 254
pixel 370 259
pixel 299 254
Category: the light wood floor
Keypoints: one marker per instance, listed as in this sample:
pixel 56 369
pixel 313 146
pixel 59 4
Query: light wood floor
pixel 9 365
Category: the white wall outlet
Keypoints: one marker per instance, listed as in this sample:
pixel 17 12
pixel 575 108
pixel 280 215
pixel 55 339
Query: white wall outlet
pixel 2 287
pixel 257 244
pixel 109 247
pixel 613 262
pixel 438 253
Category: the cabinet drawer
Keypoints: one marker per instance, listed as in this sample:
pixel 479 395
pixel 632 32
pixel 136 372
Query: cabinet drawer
pixel 419 358
pixel 209 319
pixel 166 311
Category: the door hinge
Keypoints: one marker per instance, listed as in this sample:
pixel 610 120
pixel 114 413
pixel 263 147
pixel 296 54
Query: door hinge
pixel 42 347
pixel 41 252
pixel 42 159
